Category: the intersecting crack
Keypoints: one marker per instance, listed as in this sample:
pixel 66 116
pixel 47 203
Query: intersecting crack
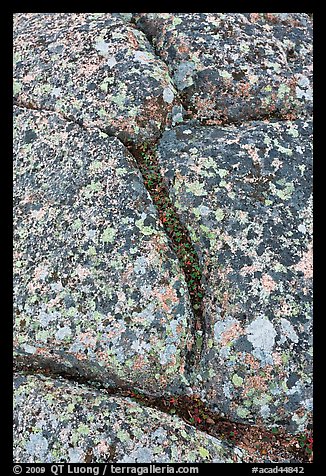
pixel 183 406
pixel 189 408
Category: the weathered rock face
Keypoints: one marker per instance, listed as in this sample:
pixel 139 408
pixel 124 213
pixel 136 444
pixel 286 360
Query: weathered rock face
pixel 245 195
pixel 94 68
pixel 99 295
pixel 94 276
pixel 236 67
pixel 56 421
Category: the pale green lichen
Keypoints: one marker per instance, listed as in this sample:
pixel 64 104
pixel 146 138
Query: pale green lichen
pixel 108 235
pixel 146 230
pixel 196 188
pixel 237 381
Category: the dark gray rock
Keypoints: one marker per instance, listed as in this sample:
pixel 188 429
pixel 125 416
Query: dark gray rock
pixel 95 68
pixel 94 276
pixel 236 67
pixel 244 194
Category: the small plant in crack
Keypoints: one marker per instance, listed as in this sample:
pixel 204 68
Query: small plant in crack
pixel 305 442
pixel 145 155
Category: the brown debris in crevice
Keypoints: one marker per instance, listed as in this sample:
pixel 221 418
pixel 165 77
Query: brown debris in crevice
pixel 260 444
pixel 180 242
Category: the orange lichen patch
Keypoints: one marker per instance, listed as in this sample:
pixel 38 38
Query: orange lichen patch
pixel 103 447
pixel 284 309
pixel 82 273
pixel 102 356
pixel 252 362
pixel 206 105
pixel 144 58
pixel 268 283
pixel 54 301
pixel 248 270
pixel 153 109
pixel 132 40
pixel 305 265
pixel 40 272
pixel 244 90
pixel 17 255
pixel 90 68
pixel 300 412
pixel 272 18
pixel 36 282
pixel 41 351
pixel 179 329
pixel 290 116
pixel 125 277
pixel 139 362
pixel 80 356
pixel 189 345
pixel 28 198
pixel 38 214
pixel 277 358
pixel 27 78
pixel 232 333
pixel 112 333
pixel 183 46
pixel 257 382
pixel 162 380
pixel 89 339
pixel 166 298
pixel 252 151
pixel 225 301
pixel 182 369
pixel 172 362
pixel 214 122
pixel 254 17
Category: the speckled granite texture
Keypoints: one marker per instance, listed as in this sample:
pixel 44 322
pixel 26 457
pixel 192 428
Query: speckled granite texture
pixel 235 67
pixel 224 102
pixel 245 193
pixel 93 275
pixel 95 68
pixel 74 424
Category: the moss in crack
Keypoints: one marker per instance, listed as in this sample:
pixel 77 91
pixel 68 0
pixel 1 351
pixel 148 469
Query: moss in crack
pixel 272 443
pixel 180 241
pixel 260 442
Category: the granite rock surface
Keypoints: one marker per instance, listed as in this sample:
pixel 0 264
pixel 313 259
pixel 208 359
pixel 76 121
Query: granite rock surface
pixel 235 67
pixel 94 275
pixel 94 68
pixel 57 421
pixel 224 104
pixel 245 194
